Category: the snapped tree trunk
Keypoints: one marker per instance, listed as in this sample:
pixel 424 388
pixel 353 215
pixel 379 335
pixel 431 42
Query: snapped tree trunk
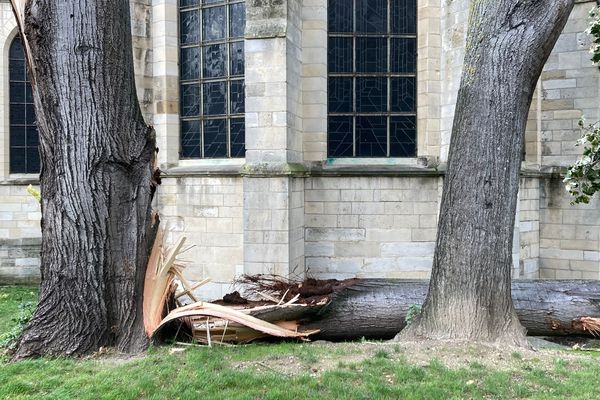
pixel 469 297
pixel 376 308
pixel 96 181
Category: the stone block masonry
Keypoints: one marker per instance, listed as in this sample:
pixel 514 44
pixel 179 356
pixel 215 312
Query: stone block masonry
pixel 370 227
pixel 20 235
pixel 208 212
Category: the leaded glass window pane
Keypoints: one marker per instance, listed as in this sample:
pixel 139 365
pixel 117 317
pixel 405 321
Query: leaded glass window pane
pixel 214 61
pixel 340 54
pixel 402 56
pixel 213 23
pixel 212 78
pixel 340 142
pixel 372 64
pixel 371 16
pixel 404 16
pixel 339 14
pixel 189 64
pixel 214 98
pixel 371 54
pixel 215 138
pixel 340 95
pixel 402 136
pixel 23 136
pixel 403 94
pixel 371 136
pixel 371 95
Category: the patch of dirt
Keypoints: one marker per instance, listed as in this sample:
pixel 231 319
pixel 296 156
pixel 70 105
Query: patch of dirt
pixel 112 357
pixel 452 355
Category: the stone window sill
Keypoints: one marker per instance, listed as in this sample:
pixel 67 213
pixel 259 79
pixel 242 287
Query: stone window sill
pixel 20 179
pixel 377 167
pixel 216 167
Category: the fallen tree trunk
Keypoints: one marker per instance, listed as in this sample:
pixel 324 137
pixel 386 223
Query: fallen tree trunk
pixel 376 309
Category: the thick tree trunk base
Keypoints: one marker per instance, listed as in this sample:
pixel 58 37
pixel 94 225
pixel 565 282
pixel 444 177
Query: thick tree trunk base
pixel 376 309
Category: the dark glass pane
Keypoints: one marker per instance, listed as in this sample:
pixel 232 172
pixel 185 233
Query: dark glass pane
pixel 214 98
pixel 213 23
pixel 16 49
pixel 339 54
pixel 190 63
pixel 403 134
pixel 237 58
pixel 33 160
pixel 371 16
pixel 403 94
pixel 238 137
pixel 214 61
pixel 18 164
pixel 237 17
pixel 189 27
pixel 29 114
pixel 371 54
pixel 17 136
pixel 18 92
pixel 339 93
pixel 28 94
pixel 17 71
pixel 190 139
pixel 339 138
pixel 215 138
pixel 212 1
pixel 188 3
pixel 371 94
pixel 404 16
pixel 236 96
pixel 339 16
pixel 404 55
pixel 190 100
pixel 17 114
pixel 32 136
pixel 371 136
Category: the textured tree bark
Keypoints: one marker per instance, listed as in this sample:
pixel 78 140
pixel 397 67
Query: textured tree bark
pixel 97 178
pixel 508 42
pixel 376 309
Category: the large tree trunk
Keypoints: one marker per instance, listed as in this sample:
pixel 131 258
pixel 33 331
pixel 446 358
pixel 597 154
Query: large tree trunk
pixel 97 157
pixel 376 309
pixel 508 43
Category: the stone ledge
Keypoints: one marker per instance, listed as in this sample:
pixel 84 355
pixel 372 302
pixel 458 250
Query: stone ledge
pixel 33 241
pixel 398 168
pixel 20 179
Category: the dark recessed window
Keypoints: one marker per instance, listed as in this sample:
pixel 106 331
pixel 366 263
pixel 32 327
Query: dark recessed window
pixel 211 74
pixel 24 154
pixel 371 89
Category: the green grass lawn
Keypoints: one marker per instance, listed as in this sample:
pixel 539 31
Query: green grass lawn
pixel 360 370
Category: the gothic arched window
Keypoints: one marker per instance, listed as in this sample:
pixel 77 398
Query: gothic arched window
pixel 24 154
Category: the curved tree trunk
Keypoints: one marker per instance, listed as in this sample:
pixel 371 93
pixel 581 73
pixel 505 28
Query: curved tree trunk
pixel 469 296
pixel 97 178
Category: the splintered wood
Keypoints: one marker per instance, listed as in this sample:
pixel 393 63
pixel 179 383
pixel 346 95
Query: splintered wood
pixel 164 266
pixel 589 324
pixel 213 323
